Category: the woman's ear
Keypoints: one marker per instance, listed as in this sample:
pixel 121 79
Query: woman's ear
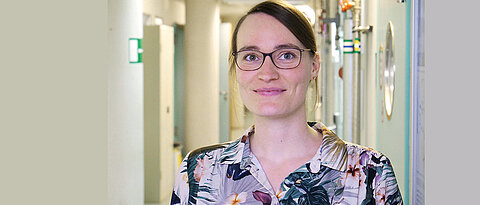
pixel 315 65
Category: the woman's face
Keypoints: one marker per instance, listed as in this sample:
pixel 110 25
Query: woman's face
pixel 269 91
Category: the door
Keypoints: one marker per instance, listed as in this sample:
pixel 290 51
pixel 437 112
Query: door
pixel 158 113
pixel 393 88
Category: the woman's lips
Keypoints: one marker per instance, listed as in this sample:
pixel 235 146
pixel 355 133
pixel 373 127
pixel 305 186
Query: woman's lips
pixel 269 91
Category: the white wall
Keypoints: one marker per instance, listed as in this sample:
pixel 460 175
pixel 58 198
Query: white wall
pixel 125 105
pixel 201 73
pixel 171 11
pixel 370 76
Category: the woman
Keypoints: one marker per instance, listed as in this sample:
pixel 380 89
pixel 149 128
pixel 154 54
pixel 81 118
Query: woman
pixel 282 159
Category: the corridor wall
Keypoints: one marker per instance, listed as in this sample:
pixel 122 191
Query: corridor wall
pixel 125 105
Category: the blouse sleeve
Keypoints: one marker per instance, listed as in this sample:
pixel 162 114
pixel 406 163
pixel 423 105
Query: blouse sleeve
pixel 180 189
pixel 386 189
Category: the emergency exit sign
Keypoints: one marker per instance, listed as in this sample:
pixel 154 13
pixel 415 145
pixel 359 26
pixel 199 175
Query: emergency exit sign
pixel 135 50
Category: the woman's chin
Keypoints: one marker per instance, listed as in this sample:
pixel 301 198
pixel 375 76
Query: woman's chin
pixel 268 111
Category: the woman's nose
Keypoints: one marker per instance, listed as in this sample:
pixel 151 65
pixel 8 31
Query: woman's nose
pixel 268 71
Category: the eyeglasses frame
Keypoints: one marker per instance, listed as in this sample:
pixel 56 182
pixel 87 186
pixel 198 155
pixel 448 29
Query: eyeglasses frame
pixel 271 59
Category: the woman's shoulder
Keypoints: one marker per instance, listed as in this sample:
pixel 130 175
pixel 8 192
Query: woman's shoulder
pixel 216 152
pixel 365 156
pixel 209 150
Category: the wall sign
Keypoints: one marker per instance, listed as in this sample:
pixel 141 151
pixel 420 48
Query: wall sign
pixel 135 50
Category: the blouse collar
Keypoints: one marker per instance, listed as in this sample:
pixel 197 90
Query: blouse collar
pixel 332 153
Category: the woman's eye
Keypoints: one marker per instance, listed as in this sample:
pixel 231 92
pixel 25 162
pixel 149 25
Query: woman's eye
pixel 287 56
pixel 251 57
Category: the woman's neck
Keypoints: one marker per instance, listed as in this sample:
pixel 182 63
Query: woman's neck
pixel 284 138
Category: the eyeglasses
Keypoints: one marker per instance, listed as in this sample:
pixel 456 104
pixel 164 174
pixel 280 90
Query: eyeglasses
pixel 285 58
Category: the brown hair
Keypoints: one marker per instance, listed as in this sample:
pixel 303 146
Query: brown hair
pixel 291 18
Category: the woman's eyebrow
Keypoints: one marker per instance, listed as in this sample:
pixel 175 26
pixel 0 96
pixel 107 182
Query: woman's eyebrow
pixel 249 48
pixel 288 45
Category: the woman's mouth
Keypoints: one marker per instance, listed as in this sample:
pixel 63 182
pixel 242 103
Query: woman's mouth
pixel 269 91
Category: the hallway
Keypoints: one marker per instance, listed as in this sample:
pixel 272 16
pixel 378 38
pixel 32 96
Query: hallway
pixel 95 94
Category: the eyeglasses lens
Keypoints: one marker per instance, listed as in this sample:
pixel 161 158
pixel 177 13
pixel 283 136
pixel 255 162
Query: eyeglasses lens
pixel 282 58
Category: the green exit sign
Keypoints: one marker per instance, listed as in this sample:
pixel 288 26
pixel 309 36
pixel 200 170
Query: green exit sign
pixel 135 50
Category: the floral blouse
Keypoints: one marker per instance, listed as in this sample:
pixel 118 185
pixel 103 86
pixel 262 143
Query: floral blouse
pixel 339 173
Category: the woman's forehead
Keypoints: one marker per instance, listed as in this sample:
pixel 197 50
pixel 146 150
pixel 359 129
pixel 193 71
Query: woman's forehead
pixel 263 31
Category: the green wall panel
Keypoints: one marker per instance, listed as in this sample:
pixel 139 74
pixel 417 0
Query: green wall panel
pixel 393 134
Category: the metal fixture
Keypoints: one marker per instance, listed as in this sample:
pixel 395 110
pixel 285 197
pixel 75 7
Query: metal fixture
pixel 363 29
pixel 389 77
pixel 353 102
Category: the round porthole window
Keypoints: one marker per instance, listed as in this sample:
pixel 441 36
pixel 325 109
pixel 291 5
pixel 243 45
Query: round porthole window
pixel 389 72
